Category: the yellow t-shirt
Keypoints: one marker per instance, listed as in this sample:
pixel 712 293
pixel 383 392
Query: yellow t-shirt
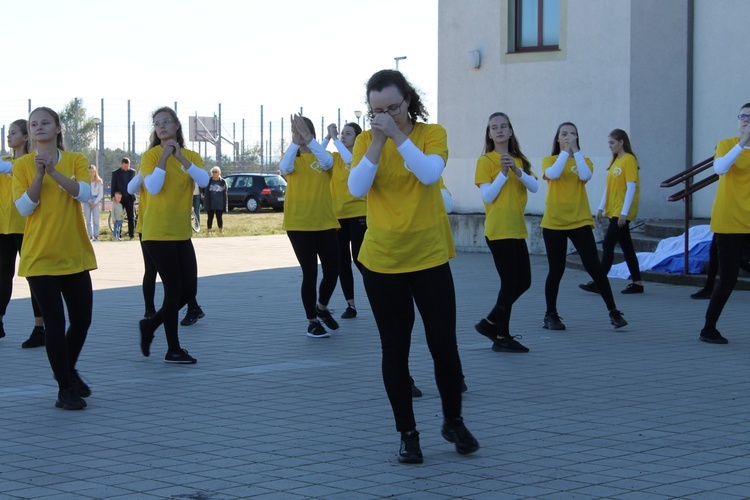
pixel 622 171
pixel 308 205
pixel 166 216
pixel 731 211
pixel 567 205
pixel 56 242
pixel 407 226
pixel 505 215
pixel 11 222
pixel 345 206
pixel 142 203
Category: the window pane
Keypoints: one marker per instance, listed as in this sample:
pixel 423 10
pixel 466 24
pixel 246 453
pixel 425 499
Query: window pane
pixel 528 13
pixel 551 22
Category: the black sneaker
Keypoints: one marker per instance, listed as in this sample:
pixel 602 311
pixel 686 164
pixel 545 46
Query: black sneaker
pixel 315 330
pixel 78 385
pixel 615 317
pixel 703 293
pixel 180 357
pixel 67 399
pixel 456 432
pixel 415 392
pixel 147 336
pixel 410 452
pixel 192 316
pixel 150 313
pixel 327 318
pixel 553 321
pixel 712 336
pixel 487 329
pixel 36 339
pixel 351 312
pixel 509 344
pixel 589 287
pixel 632 288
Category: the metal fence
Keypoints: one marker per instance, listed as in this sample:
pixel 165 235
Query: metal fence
pixel 247 139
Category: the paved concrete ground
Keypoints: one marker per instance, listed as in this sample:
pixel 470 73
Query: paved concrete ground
pixel 643 412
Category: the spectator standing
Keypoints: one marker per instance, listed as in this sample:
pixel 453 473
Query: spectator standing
pixel 120 179
pixel 117 216
pixel 217 201
pixel 91 208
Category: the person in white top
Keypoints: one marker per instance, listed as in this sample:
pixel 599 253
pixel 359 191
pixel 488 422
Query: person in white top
pixel 91 208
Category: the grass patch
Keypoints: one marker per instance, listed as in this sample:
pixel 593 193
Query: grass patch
pixel 237 222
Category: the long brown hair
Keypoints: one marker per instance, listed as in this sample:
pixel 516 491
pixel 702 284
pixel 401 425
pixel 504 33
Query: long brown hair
pixel 23 126
pixel 514 148
pixel 620 135
pixel 154 139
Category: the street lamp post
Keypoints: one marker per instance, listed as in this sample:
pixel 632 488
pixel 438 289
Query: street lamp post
pixel 97 122
pixel 397 59
pixel 358 114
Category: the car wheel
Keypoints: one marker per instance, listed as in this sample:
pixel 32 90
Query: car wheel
pixel 252 204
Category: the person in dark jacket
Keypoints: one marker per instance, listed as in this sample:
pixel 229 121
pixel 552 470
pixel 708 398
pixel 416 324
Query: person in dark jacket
pixel 120 179
pixel 216 200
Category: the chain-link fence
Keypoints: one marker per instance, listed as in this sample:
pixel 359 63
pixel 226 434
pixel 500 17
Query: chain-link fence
pixel 106 130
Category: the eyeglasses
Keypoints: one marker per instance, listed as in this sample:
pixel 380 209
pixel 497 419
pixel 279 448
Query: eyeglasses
pixel 743 117
pixel 165 121
pixel 391 110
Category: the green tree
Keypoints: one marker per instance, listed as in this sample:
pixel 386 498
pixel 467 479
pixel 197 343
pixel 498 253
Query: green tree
pixel 79 130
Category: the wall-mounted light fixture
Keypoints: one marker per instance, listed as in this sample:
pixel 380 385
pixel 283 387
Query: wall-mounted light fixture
pixel 473 59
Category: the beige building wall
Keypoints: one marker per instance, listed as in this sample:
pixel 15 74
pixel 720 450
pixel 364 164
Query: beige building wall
pixel 621 64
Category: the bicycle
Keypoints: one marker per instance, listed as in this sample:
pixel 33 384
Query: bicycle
pixel 194 222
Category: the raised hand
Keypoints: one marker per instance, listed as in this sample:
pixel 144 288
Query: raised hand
pixel 299 126
pixel 333 132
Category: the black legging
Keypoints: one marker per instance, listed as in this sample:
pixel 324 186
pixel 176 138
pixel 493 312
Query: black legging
pixel 308 246
pixel 512 262
pixel 350 238
pixel 730 249
pixel 219 218
pixel 148 284
pixel 616 234
pixel 64 348
pixel 176 264
pixel 556 244
pixel 392 298
pixel 10 246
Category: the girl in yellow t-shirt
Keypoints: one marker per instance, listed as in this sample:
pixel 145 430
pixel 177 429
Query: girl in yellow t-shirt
pixel 620 205
pixel 730 219
pixel 405 252
pixel 351 212
pixel 49 186
pixel 504 176
pixel 12 226
pixel 169 172
pixel 310 223
pixel 567 216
